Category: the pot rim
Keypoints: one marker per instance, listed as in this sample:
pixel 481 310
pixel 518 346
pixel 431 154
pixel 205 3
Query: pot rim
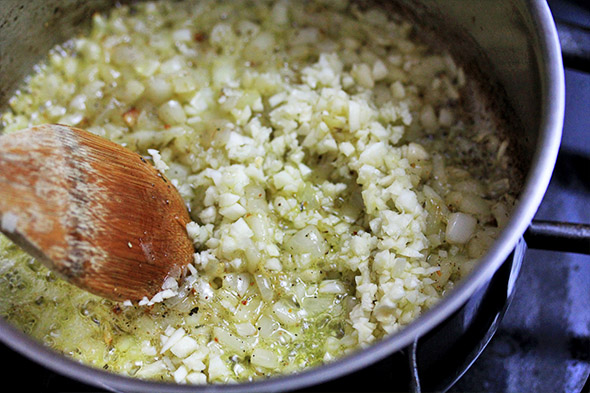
pixel 553 107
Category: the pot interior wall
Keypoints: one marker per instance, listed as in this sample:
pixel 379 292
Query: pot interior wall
pixel 495 37
pixel 30 28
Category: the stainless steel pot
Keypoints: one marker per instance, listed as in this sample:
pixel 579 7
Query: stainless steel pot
pixel 516 45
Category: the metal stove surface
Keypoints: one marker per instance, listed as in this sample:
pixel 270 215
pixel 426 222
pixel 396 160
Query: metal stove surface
pixel 543 342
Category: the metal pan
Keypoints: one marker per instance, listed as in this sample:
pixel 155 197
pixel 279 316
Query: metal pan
pixel 516 45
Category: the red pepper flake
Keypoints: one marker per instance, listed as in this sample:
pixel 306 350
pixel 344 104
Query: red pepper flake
pixel 130 117
pixel 199 36
pixel 84 122
pixel 439 273
pixel 117 309
pixel 244 302
pixel 167 126
pixel 216 340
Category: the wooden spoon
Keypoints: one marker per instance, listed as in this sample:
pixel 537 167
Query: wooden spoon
pixel 96 213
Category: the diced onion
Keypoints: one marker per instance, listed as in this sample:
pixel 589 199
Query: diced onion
pixel 230 340
pixel 460 228
pixel 264 358
pixel 317 304
pixel 171 113
pixel 9 221
pixel 264 286
pixel 159 89
pixel 266 326
pixel 285 313
pixel 308 240
pixel 184 347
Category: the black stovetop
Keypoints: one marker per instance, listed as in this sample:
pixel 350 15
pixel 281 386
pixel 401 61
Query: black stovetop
pixel 543 342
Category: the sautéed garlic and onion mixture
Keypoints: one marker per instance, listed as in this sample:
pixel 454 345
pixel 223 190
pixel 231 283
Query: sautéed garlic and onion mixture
pixel 337 176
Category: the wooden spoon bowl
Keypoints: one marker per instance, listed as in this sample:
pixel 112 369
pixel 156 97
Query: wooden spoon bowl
pixel 96 213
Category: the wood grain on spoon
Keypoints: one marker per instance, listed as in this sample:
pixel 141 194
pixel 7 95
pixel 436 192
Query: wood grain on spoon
pixel 94 212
